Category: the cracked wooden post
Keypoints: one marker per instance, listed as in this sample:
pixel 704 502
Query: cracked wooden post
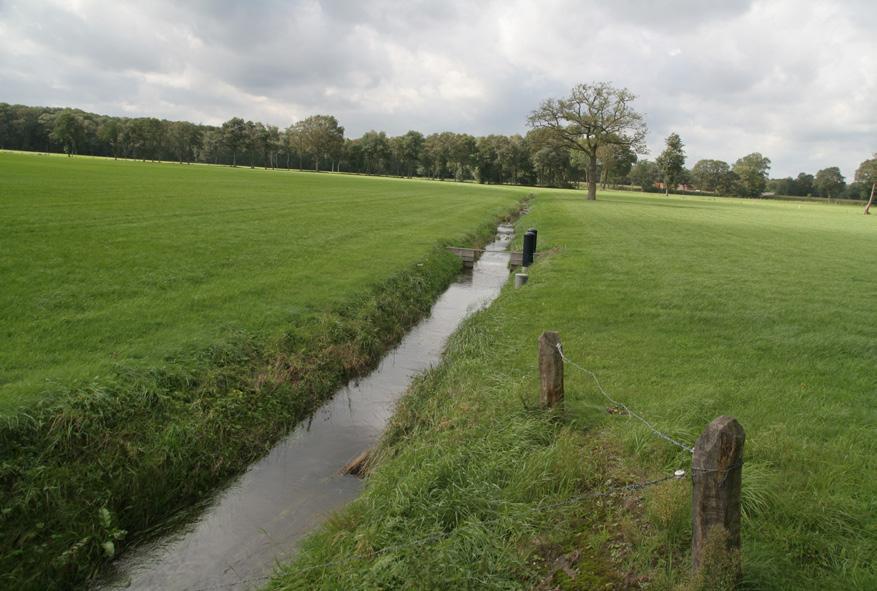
pixel 550 370
pixel 716 476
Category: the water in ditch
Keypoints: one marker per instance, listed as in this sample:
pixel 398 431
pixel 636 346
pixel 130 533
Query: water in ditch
pixel 257 521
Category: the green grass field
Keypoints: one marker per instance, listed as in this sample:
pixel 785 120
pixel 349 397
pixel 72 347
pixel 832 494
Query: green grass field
pixel 687 309
pixel 116 263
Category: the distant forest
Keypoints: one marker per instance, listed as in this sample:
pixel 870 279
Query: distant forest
pixel 318 143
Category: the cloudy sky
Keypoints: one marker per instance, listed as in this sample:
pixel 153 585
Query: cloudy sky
pixel 793 79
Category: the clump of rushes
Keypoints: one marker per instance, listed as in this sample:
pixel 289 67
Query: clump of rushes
pixel 83 475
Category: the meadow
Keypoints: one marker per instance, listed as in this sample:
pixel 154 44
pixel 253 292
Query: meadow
pixel 686 308
pixel 107 264
pixel 164 325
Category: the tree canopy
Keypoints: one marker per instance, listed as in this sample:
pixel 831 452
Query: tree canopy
pixel 751 171
pixel 714 176
pixel 671 162
pixel 591 117
pixel 867 173
pixel 829 182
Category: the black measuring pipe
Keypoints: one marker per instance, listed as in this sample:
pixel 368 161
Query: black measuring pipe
pixel 535 236
pixel 529 248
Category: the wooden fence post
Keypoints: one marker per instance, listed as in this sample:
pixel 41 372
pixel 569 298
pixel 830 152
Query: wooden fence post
pixel 550 370
pixel 716 476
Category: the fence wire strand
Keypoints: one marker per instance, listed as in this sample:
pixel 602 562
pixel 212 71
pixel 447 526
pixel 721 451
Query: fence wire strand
pixel 626 488
pixel 627 409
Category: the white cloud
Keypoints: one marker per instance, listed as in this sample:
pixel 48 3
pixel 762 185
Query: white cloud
pixel 794 80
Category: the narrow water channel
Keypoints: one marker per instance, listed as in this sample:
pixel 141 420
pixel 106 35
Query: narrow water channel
pixel 258 520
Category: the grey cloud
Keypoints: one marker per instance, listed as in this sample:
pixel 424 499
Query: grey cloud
pixel 675 15
pixel 796 83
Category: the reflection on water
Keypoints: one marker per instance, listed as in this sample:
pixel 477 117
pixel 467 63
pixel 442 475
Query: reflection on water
pixel 257 521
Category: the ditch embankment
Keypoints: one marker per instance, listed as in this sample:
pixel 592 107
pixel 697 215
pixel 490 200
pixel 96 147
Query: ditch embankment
pixel 258 520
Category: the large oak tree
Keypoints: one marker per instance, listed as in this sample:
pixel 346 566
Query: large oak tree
pixel 591 117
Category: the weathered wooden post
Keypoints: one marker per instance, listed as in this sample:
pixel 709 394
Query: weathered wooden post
pixel 550 370
pixel 716 476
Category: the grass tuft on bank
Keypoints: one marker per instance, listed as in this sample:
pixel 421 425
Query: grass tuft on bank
pixel 687 309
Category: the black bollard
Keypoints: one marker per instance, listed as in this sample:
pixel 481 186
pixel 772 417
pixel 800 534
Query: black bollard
pixel 535 236
pixel 529 248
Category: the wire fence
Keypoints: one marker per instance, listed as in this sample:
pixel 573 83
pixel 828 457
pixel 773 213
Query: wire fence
pixel 539 508
pixel 651 427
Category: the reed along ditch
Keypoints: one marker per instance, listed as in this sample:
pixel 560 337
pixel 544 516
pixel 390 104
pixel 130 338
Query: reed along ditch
pixel 257 521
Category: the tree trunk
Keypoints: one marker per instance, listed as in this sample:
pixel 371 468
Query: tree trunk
pixel 871 200
pixel 592 178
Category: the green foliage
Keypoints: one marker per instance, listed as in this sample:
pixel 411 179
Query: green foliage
pixel 867 174
pixel 829 182
pixel 234 133
pixel 867 171
pixel 803 184
pixel 751 173
pixel 68 131
pixel 671 162
pixel 322 137
pixel 645 173
pixel 714 176
pixel 615 162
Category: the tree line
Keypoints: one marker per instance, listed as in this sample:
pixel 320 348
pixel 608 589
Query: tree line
pixel 747 177
pixel 594 135
pixel 315 143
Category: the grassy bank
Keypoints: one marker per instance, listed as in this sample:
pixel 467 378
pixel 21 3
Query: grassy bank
pixel 91 465
pixel 686 308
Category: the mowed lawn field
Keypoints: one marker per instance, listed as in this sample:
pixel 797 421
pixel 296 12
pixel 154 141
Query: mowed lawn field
pixel 117 263
pixel 686 308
